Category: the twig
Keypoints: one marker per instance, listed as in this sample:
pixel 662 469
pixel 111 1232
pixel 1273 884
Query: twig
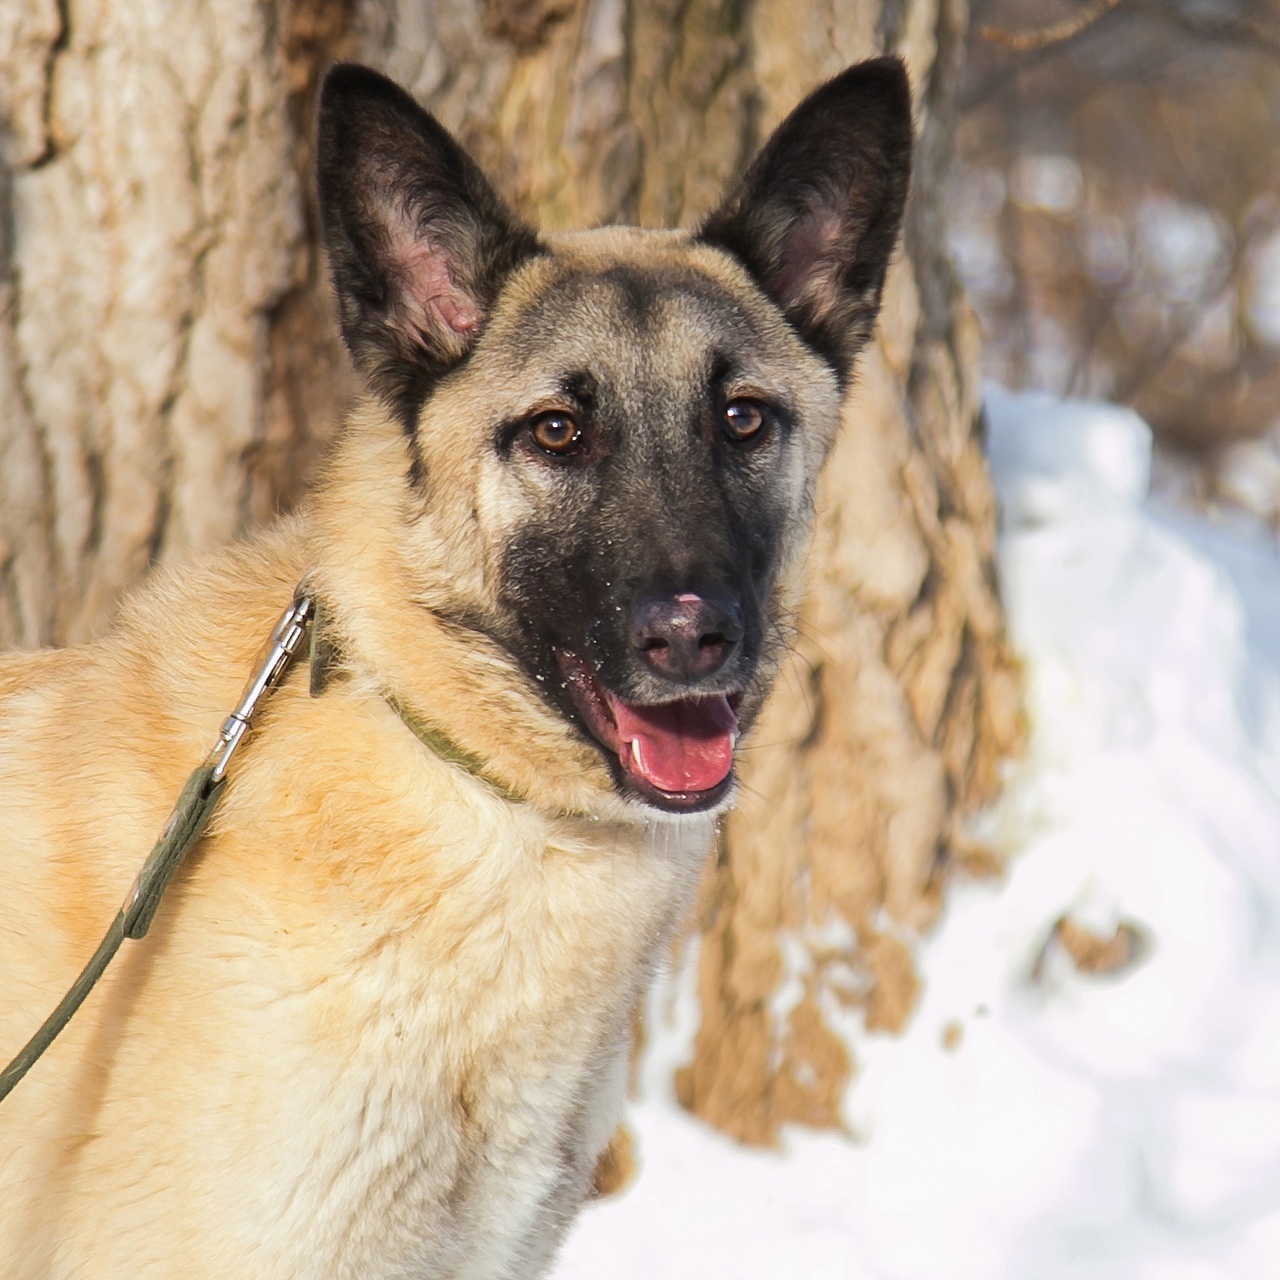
pixel 1067 29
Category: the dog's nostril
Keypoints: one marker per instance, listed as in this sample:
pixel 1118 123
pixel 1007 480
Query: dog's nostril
pixel 686 636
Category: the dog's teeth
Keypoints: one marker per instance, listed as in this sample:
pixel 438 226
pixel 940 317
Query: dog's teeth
pixel 635 753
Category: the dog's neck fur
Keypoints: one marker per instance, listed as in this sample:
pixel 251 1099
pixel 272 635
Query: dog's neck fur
pixel 393 642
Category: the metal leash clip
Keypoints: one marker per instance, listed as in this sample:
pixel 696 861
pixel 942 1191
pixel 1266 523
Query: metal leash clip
pixel 204 787
pixel 281 649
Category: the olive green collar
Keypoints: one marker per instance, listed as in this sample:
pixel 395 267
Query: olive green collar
pixel 325 659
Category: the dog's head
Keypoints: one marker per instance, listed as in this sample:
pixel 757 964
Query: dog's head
pixel 613 436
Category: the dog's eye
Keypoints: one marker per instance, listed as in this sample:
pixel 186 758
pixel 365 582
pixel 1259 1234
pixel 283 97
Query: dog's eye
pixel 556 433
pixel 745 420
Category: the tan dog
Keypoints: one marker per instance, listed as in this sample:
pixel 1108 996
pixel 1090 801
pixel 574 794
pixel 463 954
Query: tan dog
pixel 379 1026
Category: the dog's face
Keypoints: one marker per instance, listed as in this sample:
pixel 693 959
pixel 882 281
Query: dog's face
pixel 613 436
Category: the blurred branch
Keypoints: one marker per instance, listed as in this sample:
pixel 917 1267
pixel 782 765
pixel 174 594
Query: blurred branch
pixel 1046 44
pixel 1011 217
pixel 1067 29
pixel 1010 70
pixel 1186 318
pixel 1239 33
pixel 1099 316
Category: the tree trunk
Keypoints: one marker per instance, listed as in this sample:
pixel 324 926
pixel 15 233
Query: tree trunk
pixel 169 371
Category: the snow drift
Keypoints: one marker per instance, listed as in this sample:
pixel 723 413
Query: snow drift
pixel 1090 1087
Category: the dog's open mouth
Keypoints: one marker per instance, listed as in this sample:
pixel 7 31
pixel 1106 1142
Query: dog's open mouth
pixel 677 755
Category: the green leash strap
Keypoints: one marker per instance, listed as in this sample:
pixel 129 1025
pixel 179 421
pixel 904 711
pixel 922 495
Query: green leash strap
pixel 200 797
pixel 183 829
pixel 195 805
pixel 66 1007
pixel 192 811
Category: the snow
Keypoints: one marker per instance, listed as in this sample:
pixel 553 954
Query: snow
pixel 1108 1126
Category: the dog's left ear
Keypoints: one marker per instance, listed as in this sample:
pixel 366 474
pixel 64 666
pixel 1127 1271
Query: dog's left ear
pixel 418 241
pixel 816 216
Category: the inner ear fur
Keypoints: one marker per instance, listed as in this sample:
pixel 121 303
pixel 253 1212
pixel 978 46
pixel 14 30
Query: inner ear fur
pixel 816 216
pixel 418 241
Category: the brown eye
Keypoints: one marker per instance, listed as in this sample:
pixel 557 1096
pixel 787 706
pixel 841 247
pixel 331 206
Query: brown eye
pixel 744 420
pixel 556 433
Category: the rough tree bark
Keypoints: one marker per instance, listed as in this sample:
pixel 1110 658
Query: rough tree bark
pixel 169 372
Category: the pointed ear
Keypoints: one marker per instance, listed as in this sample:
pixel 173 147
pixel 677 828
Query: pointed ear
pixel 418 241
pixel 816 216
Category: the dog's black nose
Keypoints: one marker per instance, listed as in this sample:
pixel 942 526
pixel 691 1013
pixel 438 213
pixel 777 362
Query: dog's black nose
pixel 685 636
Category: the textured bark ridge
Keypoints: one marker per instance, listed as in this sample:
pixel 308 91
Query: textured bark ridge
pixel 169 370
pixel 152 220
pixel 889 722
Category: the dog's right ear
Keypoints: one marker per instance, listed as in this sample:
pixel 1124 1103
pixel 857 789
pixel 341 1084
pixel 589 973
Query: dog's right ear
pixel 418 241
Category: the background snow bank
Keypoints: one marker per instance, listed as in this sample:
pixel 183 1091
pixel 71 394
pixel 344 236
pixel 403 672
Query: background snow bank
pixel 1114 1126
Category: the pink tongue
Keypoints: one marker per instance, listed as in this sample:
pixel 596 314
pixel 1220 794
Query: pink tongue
pixel 678 746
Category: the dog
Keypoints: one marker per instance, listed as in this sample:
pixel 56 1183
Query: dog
pixel 380 1025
